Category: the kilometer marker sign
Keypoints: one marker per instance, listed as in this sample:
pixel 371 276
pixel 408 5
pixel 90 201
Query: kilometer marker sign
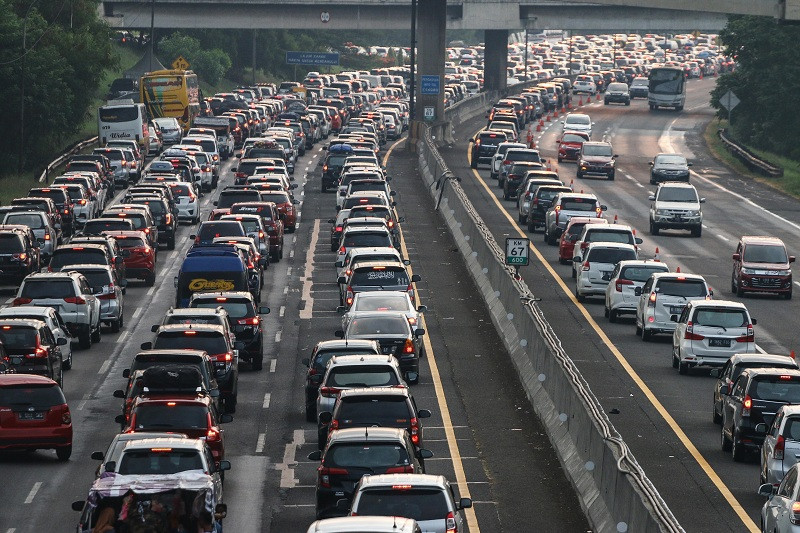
pixel 517 251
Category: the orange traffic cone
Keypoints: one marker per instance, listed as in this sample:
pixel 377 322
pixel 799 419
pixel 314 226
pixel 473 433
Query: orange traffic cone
pixel 678 270
pixel 547 118
pixel 555 113
pixel 615 219
pixel 580 101
pixel 541 121
pixel 655 257
pixel 791 354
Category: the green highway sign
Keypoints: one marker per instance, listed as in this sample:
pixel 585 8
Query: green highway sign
pixel 517 251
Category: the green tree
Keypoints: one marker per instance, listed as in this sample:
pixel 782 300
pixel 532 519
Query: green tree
pixel 209 64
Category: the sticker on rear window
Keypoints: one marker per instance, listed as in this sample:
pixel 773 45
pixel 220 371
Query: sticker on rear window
pixel 381 274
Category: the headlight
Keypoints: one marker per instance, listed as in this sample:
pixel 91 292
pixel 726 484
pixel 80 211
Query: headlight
pixel 694 213
pixel 750 271
pixel 661 212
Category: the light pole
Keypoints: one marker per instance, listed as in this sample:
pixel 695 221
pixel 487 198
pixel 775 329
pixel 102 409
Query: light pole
pixel 413 59
pixel 526 50
pixel 21 157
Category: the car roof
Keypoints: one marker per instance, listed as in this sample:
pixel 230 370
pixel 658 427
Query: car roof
pixel 364 524
pixel 610 227
pixel 642 262
pixel 681 184
pixel 371 263
pixel 740 358
pixel 675 275
pixel 11 380
pixel 196 310
pixel 83 245
pixel 761 239
pixel 107 268
pixel 365 434
pixel 771 371
pixel 596 143
pixel 589 196
pixel 415 480
pixel 41 310
pixel 717 303
pixel 172 441
pixel 362 359
pixel 167 351
pixel 48 275
pixel 186 327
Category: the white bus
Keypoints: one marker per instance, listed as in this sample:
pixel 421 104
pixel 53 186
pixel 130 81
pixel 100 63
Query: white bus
pixel 666 88
pixel 122 119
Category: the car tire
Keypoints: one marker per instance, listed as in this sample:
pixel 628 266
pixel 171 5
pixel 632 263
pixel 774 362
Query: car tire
pixel 116 325
pixel 150 280
pixel 473 164
pixel 611 176
pixel 505 194
pixel 581 298
pixel 654 229
pixel 171 242
pixel 605 311
pixel 738 453
pixel 311 412
pixel 96 335
pixel 531 225
pixel 67 365
pixel 638 330
pixel 683 368
pixel 258 362
pixel 646 335
pixel 574 272
pixel 734 287
pixel 675 361
pixel 725 444
pixel 697 232
pixel 716 417
pixel 788 295
pixel 613 316
pixel 85 338
pixel 64 453
pixel 230 404
pixel 628 102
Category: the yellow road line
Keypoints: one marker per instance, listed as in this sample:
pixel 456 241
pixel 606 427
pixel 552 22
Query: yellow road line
pixel 452 443
pixel 654 401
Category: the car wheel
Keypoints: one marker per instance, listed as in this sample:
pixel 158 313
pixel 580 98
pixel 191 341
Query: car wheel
pixel 653 228
pixel 612 315
pixel 505 194
pixel 67 365
pixel 724 442
pixel 737 451
pixel 574 272
pixel 150 280
pixel 611 176
pixel 788 295
pixel 531 225
pixel 473 164
pixel 605 102
pixel 96 334
pixel 258 361
pixel 646 335
pixel 683 368
pixel 64 453
pixel 230 405
pixel 605 311
pixel 734 287
pixel 581 298
pixel 85 338
pixel 171 243
pixel 311 412
pixel 115 326
pixel 675 360
pixel 521 218
pixel 697 232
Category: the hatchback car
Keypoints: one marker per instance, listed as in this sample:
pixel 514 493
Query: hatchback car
pixel 139 257
pixel 781 448
pixel 762 265
pixel 385 301
pixel 663 295
pixel 34 415
pixel 620 233
pixel 625 278
pixel 49 316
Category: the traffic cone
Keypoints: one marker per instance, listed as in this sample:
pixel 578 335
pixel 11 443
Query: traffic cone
pixel 539 126
pixel 701 74
pixel 547 118
pixel 580 101
pixel 655 257
pixel 678 270
pixel 791 354
pixel 555 113
pixel 615 219
pixel 531 144
pixel 541 121
pixel 563 110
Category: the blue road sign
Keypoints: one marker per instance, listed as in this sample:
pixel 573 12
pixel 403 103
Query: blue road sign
pixel 312 58
pixel 430 84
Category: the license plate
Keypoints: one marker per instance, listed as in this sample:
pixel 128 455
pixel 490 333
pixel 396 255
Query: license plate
pixel 388 349
pixel 676 310
pixel 721 343
pixel 676 219
pixel 32 416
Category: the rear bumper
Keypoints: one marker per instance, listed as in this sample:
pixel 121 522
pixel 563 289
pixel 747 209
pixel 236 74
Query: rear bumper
pixel 50 437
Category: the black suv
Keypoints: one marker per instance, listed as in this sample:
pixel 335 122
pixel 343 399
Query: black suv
pixel 332 165
pixel 755 397
pixel 31 348
pixel 484 145
pixel 541 201
pixel 244 317
pixel 19 254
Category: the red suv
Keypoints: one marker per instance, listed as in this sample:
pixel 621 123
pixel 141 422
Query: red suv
pixel 566 243
pixel 138 256
pixel 34 414
pixel 273 221
pixel 761 264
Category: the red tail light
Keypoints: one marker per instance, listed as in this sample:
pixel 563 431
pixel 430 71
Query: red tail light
pixel 651 301
pixel 168 218
pixel 400 470
pixel 780 446
pixel 599 211
pixel 408 347
pixel 690 335
pixel 22 301
pixel 109 296
pixel 253 321
pixel 558 211
pixel 342 250
pixel 746 405
pixel 585 266
pixel 415 431
pixel 66 417
pixel 450 523
pixel 213 435
pixel 83 202
pixel 620 282
pixel 750 337
pixel 794 518
pixel 349 299
pixel 325 474
pixel 329 392
pixel 75 300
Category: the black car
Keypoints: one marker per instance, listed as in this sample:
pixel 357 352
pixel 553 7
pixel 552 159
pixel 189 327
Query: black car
pixel 541 201
pixel 754 398
pixel 617 93
pixel 484 145
pixel 31 348
pixel 332 165
pixel 669 167
pixel 162 215
pixel 516 176
pixel 244 317
pixel 19 254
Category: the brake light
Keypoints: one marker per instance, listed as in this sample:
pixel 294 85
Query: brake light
pixel 408 347
pixel 253 321
pixel 83 202
pixel 746 405
pixel 228 357
pixel 109 296
pixel 780 446
pixel 124 163
pixel 22 301
pixel 66 417
pixel 651 300
pixel 325 474
pixel 342 250
pixel 400 470
pixel 349 299
pixel 213 435
pixel 585 266
pixel 507 162
pixel 690 335
pixel 329 392
pixel 415 431
pixel 750 337
pixel 620 282
pixel 75 300
pixel 450 523
pixel 794 518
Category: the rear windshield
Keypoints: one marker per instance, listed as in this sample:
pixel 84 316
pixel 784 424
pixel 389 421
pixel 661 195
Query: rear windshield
pixel 380 277
pixel 156 208
pixel 336 160
pixel 370 211
pixel 250 226
pixel 686 288
pixel 211 342
pixel 610 255
pixel 516 155
pixel 362 376
pixel 624 237
pixel 775 389
pixel 640 273
pixel 368 186
pixel 159 462
pixel 130 242
pixel 76 256
pixel 97 278
pixel 248 167
pixel 544 193
pixel 10 244
pixel 75 193
pixel 492 138
pixel 374 410
pixel 791 429
pixel 25 219
pixel 369 456
pixel 578 204
pixel 278 198
pixel 17 336
pixel 180 189
pixel 164 417
pixel 363 200
pixel 384 303
pixel 220 229
pixel 46 289
pixel 376 325
pixel 419 504
pixel 371 240
pixel 721 318
pixel 753 253
pixel 235 308
pixel 37 396
pixel 97 226
pixel 227 199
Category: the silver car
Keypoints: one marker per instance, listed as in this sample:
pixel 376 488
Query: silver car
pixel 663 295
pixel 41 227
pixel 779 514
pixel 781 448
pixel 108 289
pixel 384 301
pixel 171 132
pixel 595 265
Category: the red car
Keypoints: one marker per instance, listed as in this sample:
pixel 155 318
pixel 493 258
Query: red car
pixel 216 214
pixel 285 206
pixel 569 145
pixel 762 264
pixel 566 243
pixel 34 414
pixel 273 221
pixel 139 257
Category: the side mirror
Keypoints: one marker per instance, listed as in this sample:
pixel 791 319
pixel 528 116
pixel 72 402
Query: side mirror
pixel 221 510
pixel 339 334
pixel 98 456
pixel 415 278
pixel 392 193
pixel 342 280
pixel 603 207
pixel 331 221
pixel 215 203
pixel 325 417
pixel 401 220
pixel 192 237
pixel 576 259
pixel 340 309
pixel 419 332
pixel 263 310
pixel 767 490
pixel 422 308
pixel 424 454
pixel 119 419
pixel 154 327
pixel 650 163
pixel 638 240
pixel 316 455
pixel 423 413
pixel 225 419
pixel 651 197
pixel 723 389
pixel 754 321
pixel 62 341
pixel 791 259
pixel 637 291
pixel 761 427
pixel 224 465
pixel 673 318
pixel 119 393
pixel 316 379
pixel 464 503
pixel 615 156
pixel 146 346
pixel 126 373
pixel 737 257
pixel 78 506
pixel 339 264
pixel 689 164
pixel 702 200
pixel 715 372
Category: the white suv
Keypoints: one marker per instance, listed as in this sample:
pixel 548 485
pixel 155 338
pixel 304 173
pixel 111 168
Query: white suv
pixel 500 155
pixel 709 332
pixel 595 265
pixel 625 279
pixel 68 293
pixel 664 295
pixel 676 205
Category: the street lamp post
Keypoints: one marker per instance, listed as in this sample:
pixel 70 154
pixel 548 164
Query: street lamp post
pixel 152 32
pixel 413 60
pixel 21 157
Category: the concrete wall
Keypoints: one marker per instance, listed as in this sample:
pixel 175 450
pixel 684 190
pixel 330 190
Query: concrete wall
pixel 616 494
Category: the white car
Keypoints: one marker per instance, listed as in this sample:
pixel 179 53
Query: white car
pixel 578 122
pixel 709 332
pixel 781 512
pixel 49 316
pixel 377 253
pixel 606 233
pixel 626 277
pixel 499 157
pixel 781 448
pixel 584 84
pixel 186 201
pixel 596 265
pixel 664 295
pixel 676 205
pixel 385 301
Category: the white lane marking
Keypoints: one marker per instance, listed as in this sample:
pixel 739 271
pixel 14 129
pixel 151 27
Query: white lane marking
pixel 278 336
pixel 11 530
pixel 286 289
pixel 289 271
pixel 136 314
pixel 83 401
pixel 287 466
pixel 260 442
pixel 104 366
pixel 291 254
pixel 797 283
pixel 267 399
pixel 281 311
pixel 723 237
pixel 272 364
pixel 759 349
pixel 32 493
pixel 306 312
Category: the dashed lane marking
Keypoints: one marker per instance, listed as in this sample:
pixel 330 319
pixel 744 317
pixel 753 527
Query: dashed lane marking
pixel 267 399
pixel 307 311
pixel 272 364
pixel 32 493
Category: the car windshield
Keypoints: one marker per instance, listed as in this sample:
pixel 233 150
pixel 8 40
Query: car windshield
pixel 640 273
pixel 517 155
pixel 38 396
pixel 177 416
pixel 371 240
pixel 582 120
pixel 160 461
pixel 776 389
pixel 235 309
pixel 624 237
pixel 278 198
pixel 618 87
pixel 720 317
pixel 362 376
pixel 670 159
pixel 211 342
pixel 578 204
pixel 759 253
pixel 419 504
pixel 130 242
pixel 336 160
pixel 25 219
pixel 389 411
pixel 10 243
pixel 572 138
pixel 373 455
pixel 97 226
pixel 250 225
pixel 610 255
pixel 17 336
pixel 381 303
pixel 56 289
pixel 597 150
pixel 687 288
pixel 379 325
pixel 677 194
pixel 380 277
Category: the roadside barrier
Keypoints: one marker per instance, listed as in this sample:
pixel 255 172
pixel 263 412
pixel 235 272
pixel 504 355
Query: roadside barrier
pixel 750 160
pixel 614 491
pixel 60 160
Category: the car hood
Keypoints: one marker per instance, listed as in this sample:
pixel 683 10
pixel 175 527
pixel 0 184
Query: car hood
pixel 678 205
pixel 766 266
pixel 578 127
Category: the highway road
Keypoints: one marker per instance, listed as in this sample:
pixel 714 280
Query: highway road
pixel 664 417
pixel 483 433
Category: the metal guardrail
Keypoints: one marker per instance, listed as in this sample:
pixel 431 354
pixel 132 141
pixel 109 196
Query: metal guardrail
pixel 750 160
pixel 60 160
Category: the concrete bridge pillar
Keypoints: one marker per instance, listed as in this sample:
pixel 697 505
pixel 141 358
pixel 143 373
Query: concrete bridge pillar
pixel 431 28
pixel 495 59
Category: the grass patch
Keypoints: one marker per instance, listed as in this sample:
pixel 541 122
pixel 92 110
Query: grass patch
pixel 789 183
pixel 16 186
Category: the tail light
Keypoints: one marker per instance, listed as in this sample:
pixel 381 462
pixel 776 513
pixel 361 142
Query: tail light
pixel 342 250
pixel 253 321
pixel 215 157
pixel 110 296
pixel 780 446
pixel 213 435
pixel 133 164
pixel 746 406
pixel 584 245
pixel 66 417
pixel 620 282
pixel 75 300
pixel 324 168
pixel 325 474
pixel 794 518
pixel 408 347
pixel 507 162
pixel 558 212
pixel 450 523
pixel 66 211
pixel 400 470
pixel 329 392
pixel 585 266
pixel 47 236
pixel 690 335
pixel 168 218
pixel 349 299
pixel 124 163
pixel 750 337
pixel 20 257
pixel 22 301
pixel 83 202
pixel 197 239
pixel 651 300
pixel 414 431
